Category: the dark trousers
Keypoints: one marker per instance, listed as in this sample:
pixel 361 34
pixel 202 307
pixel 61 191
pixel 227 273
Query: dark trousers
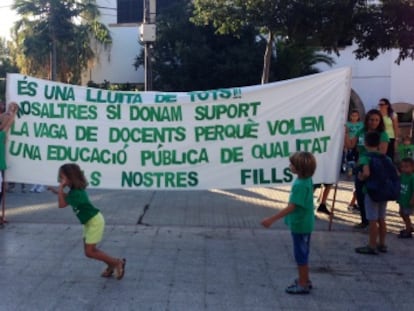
pixel 360 196
pixel 391 149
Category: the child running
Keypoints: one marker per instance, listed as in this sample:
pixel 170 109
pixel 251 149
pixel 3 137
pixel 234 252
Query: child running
pixel 406 200
pixel 299 216
pixel 71 176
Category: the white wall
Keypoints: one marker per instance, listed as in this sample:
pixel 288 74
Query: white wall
pixel 116 64
pixel 379 78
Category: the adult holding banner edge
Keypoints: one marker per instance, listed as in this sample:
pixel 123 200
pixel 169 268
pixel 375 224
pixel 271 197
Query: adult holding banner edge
pixel 373 123
pixel 6 121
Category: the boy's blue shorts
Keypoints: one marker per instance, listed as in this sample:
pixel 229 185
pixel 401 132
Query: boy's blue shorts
pixel 301 245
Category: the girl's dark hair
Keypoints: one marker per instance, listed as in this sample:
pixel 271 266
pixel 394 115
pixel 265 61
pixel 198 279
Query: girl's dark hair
pixel 75 175
pixel 390 111
pixel 304 163
pixel 381 125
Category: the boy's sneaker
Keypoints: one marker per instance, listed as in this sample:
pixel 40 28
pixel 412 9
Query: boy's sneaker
pixel 361 225
pixel 382 248
pixel 405 235
pixel 354 208
pixel 309 285
pixel 296 289
pixel 323 209
pixel 366 250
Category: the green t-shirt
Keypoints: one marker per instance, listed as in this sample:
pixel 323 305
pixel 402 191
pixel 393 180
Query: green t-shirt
pixel 405 151
pixel 302 219
pixel 361 140
pixel 354 128
pixel 407 189
pixel 3 165
pixel 82 207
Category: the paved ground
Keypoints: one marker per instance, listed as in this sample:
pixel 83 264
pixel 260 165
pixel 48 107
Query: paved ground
pixel 194 250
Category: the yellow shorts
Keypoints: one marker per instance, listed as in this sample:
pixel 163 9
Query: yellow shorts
pixel 93 230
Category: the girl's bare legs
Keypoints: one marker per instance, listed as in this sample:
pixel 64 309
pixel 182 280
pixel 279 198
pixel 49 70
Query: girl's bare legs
pixel 92 252
pixel 114 264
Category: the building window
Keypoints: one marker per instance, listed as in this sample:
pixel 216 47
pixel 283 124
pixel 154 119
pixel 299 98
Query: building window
pixel 132 11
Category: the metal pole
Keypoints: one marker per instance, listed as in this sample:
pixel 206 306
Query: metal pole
pixel 148 49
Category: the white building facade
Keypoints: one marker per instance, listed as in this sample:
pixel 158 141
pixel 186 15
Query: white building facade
pixel 379 78
pixel 116 64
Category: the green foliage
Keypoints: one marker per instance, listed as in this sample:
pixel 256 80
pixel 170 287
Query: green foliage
pixel 294 61
pixel 68 29
pixel 323 24
pixel 188 57
pixel 6 66
pixel 383 26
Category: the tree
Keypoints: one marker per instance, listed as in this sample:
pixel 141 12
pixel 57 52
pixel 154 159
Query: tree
pixel 56 38
pixel 383 26
pixel 293 60
pixel 188 57
pixel 6 66
pixel 320 23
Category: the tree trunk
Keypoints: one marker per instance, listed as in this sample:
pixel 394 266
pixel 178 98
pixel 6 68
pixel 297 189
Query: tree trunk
pixel 54 60
pixel 267 57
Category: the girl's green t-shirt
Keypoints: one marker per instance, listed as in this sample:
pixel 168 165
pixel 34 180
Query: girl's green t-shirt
pixel 302 219
pixel 82 207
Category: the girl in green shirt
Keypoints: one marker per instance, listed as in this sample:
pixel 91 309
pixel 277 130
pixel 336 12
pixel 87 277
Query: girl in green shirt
pixel 71 176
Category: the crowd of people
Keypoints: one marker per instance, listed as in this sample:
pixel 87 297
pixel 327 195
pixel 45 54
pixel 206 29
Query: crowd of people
pixel 370 150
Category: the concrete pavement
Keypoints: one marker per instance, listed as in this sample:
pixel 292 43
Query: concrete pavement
pixel 195 250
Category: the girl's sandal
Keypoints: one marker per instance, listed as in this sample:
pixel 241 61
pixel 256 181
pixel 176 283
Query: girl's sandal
pixel 107 273
pixel 120 269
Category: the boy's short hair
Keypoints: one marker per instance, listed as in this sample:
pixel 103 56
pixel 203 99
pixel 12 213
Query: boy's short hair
pixel 304 163
pixel 408 160
pixel 372 139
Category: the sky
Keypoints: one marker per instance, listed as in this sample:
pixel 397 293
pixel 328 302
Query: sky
pixel 7 18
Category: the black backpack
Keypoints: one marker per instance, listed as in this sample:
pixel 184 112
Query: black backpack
pixel 383 183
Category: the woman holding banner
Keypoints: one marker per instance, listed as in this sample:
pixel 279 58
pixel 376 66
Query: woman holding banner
pixel 6 120
pixel 373 123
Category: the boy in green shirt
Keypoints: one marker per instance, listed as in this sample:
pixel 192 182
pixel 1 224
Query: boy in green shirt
pixel 299 216
pixel 406 149
pixel 406 200
pixel 375 211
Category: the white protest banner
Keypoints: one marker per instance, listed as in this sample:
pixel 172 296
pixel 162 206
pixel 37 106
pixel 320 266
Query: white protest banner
pixel 224 138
